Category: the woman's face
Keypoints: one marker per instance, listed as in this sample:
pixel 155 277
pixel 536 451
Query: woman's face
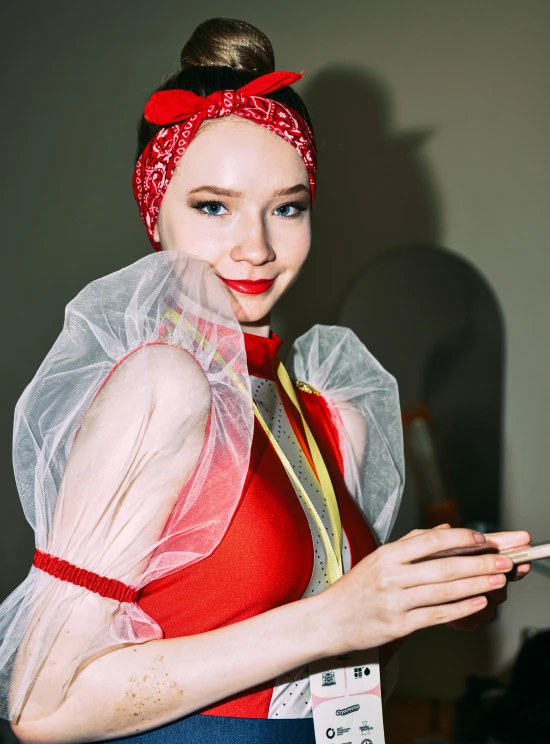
pixel 240 199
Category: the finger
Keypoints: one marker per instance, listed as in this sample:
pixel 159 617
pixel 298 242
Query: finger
pixel 434 541
pixel 472 550
pixel 488 547
pixel 494 599
pixel 507 540
pixel 453 569
pixel 452 591
pixel 425 617
pixel 519 572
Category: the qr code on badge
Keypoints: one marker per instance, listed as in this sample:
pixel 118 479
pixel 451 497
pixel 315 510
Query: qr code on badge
pixel 328 679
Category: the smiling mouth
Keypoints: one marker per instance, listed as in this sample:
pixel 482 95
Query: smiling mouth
pixel 247 286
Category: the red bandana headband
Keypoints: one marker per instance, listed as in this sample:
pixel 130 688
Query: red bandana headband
pixel 181 113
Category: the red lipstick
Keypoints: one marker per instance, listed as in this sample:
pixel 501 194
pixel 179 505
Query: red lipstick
pixel 247 286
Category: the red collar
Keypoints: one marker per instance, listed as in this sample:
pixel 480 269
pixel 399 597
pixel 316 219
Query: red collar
pixel 261 355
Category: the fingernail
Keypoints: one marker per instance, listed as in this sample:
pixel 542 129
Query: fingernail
pixel 497 580
pixel 479 601
pixel 479 538
pixel 504 564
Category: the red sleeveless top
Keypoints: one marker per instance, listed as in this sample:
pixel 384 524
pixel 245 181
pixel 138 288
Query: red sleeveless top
pixel 266 557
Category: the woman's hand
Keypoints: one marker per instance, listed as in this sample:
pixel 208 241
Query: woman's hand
pixel 498 541
pixel 397 590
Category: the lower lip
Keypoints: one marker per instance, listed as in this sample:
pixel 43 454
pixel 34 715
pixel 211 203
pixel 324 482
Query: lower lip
pixel 251 288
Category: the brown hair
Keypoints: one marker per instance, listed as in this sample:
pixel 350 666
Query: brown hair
pixel 226 42
pixel 223 54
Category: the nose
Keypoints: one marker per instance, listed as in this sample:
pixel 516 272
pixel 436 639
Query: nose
pixel 253 243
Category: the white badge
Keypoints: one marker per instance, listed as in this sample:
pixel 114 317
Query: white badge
pixel 347 699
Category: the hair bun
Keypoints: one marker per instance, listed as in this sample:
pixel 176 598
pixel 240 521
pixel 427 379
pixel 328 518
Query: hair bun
pixel 226 42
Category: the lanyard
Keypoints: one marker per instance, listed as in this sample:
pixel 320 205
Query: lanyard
pixel 333 548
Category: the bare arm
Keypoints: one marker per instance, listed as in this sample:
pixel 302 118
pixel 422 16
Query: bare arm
pixel 140 687
pixel 126 690
pixel 388 595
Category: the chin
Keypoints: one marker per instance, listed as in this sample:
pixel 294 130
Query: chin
pixel 251 318
pixel 251 310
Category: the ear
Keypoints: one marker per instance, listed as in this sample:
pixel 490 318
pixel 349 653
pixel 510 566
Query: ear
pixel 156 235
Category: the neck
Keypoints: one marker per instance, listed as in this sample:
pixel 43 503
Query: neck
pixel 258 327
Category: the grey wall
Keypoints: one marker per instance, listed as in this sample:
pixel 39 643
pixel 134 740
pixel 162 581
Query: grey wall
pixel 444 141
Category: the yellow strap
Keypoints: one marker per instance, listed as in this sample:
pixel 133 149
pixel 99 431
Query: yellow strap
pixel 333 551
pixel 325 482
pixel 334 561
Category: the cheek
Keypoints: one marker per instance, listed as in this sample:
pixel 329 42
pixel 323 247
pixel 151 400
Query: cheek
pixel 183 232
pixel 294 246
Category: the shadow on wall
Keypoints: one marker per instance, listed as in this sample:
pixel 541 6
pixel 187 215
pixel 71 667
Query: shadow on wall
pixel 439 329
pixel 375 191
pixel 378 207
pixel 378 198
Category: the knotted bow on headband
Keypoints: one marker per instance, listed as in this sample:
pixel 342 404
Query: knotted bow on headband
pixel 181 112
pixel 171 106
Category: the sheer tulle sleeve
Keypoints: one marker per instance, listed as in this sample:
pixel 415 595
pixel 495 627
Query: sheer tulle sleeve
pixel 365 403
pixel 131 446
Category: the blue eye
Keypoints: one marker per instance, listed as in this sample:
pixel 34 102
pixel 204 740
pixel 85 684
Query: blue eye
pixel 210 208
pixel 289 210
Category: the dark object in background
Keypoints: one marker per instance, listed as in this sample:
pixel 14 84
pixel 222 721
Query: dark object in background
pixel 432 320
pixel 518 714
pixel 421 448
pixel 6 734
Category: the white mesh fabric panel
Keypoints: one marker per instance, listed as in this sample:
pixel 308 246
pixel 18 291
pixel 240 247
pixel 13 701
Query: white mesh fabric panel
pixel 365 398
pixel 131 446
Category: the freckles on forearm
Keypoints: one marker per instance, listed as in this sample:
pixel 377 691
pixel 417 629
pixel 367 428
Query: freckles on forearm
pixel 152 688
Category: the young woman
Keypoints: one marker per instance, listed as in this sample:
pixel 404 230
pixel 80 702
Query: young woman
pixel 207 525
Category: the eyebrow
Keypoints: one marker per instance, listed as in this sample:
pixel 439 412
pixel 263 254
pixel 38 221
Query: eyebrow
pixel 297 189
pixel 219 191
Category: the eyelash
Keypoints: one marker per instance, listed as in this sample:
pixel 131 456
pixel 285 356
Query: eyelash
pixel 200 206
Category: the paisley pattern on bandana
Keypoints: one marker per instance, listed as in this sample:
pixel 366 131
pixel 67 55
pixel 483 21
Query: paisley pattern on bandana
pixel 157 163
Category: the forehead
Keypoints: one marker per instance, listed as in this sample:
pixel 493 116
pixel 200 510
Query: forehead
pixel 234 151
